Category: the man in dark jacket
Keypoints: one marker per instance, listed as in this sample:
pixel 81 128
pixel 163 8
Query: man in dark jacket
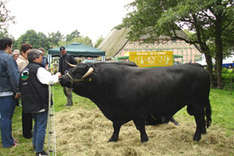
pixel 34 81
pixel 64 66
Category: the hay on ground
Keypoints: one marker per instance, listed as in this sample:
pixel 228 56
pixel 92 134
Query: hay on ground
pixel 82 132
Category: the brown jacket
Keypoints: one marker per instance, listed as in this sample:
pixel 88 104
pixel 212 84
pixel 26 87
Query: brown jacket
pixel 21 62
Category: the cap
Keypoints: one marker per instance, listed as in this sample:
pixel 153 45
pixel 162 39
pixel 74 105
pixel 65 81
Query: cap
pixel 16 52
pixel 33 54
pixel 62 48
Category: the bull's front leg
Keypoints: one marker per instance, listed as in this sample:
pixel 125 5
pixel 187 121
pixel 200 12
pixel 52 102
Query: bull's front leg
pixel 140 125
pixel 115 135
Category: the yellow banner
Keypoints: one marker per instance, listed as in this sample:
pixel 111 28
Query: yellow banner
pixel 152 58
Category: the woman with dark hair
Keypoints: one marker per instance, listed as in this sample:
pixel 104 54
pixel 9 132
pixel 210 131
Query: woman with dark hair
pixel 22 62
pixel 9 83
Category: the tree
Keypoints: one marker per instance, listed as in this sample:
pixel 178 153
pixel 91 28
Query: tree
pixel 4 33
pixel 72 35
pixel 75 37
pixel 37 40
pixel 99 41
pixel 211 21
pixel 84 40
pixel 54 39
pixel 5 19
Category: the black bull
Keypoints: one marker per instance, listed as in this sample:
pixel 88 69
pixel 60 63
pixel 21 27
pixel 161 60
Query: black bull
pixel 125 92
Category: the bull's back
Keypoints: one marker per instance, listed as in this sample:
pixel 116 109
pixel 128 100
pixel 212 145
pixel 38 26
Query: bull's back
pixel 166 88
pixel 141 90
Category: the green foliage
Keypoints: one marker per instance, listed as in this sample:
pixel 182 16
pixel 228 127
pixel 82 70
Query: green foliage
pixel 54 38
pixel 228 78
pixel 72 35
pixel 37 40
pixel 4 33
pixel 211 22
pixel 84 40
pixel 156 17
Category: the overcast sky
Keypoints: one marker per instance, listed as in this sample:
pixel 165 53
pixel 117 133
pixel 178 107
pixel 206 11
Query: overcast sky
pixel 92 18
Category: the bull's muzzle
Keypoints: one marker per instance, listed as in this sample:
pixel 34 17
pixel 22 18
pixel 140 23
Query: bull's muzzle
pixel 68 81
pixel 65 81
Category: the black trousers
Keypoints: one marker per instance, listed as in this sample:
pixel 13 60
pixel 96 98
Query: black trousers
pixel 27 125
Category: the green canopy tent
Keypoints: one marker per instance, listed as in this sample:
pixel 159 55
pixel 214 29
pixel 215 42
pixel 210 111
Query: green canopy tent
pixel 78 50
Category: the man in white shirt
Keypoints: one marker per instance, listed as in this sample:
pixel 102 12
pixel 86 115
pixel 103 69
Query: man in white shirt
pixel 34 83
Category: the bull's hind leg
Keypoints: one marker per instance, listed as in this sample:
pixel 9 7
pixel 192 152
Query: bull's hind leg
pixel 140 125
pixel 200 125
pixel 115 135
pixel 208 113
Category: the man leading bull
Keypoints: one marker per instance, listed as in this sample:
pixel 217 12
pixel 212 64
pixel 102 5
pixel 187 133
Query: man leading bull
pixel 64 66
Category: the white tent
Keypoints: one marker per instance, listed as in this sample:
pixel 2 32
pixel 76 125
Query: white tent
pixel 228 60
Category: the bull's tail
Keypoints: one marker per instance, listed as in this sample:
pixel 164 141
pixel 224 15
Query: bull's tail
pixel 208 113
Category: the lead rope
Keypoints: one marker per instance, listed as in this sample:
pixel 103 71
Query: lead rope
pixel 51 127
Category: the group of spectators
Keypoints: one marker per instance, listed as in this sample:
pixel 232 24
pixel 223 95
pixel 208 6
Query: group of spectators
pixel 24 75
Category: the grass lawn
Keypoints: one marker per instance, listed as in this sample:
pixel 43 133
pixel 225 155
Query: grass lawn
pixel 222 103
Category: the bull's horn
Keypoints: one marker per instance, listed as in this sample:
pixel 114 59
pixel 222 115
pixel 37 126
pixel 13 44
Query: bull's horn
pixel 88 73
pixel 71 65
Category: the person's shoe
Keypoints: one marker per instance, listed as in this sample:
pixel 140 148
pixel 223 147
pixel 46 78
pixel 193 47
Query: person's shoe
pixel 15 140
pixel 69 102
pixel 15 144
pixel 28 136
pixel 43 153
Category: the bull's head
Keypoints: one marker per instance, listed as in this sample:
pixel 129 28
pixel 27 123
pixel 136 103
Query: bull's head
pixel 75 75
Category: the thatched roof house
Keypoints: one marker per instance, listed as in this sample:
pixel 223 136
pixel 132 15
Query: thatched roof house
pixel 116 44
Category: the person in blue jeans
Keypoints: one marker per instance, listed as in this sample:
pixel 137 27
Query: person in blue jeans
pixel 34 81
pixel 9 83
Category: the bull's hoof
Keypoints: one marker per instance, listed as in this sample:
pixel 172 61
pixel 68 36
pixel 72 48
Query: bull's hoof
pixel 197 137
pixel 144 139
pixel 208 123
pixel 203 131
pixel 176 123
pixel 112 139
